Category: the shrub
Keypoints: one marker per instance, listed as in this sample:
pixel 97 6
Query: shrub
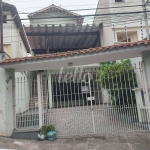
pixel 119 79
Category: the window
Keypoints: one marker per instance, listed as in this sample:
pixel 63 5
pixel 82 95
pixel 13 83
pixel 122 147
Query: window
pixel 119 1
pixel 4 19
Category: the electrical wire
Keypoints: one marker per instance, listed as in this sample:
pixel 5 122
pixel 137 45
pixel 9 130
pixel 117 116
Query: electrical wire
pixel 108 25
pixel 91 9
pixel 106 14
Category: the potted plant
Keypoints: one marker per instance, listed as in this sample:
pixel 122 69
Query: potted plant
pixel 44 130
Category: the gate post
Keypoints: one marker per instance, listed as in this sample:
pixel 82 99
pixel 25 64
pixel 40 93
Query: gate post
pixel 7 101
pixel 146 91
pixel 39 99
pixel 50 89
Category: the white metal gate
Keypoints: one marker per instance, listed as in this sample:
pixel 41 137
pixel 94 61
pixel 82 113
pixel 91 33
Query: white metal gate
pixel 76 103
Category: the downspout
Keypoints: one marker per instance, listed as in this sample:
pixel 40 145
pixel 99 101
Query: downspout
pixel 27 40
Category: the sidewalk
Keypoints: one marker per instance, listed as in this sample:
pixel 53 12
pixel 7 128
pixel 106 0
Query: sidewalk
pixel 126 141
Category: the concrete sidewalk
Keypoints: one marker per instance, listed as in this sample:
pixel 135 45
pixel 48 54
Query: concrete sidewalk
pixel 122 141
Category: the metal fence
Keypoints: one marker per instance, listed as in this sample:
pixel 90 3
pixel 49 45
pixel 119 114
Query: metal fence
pixel 82 101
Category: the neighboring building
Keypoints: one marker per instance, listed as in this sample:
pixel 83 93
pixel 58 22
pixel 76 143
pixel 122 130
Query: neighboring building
pixel 55 15
pixel 15 40
pixel 121 28
pixel 15 45
pixel 51 35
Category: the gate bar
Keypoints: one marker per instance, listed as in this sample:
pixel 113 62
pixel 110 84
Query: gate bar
pixel 39 99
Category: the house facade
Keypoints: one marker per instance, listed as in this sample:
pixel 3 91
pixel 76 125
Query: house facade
pixel 15 40
pixel 66 107
pixel 54 15
pixel 124 25
pixel 62 90
pixel 15 45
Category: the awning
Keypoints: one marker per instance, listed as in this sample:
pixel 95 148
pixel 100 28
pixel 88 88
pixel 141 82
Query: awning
pixel 52 39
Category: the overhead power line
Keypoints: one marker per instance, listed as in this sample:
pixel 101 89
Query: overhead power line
pixel 93 8
pixel 107 14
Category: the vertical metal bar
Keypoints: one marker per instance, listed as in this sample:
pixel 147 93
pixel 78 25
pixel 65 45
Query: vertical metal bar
pixel 56 92
pixel 134 116
pixel 39 99
pixel 60 95
pixel 25 94
pixel 121 88
pixel 71 92
pixel 130 114
pixel 116 75
pixel 130 88
pixel 67 94
pixel 89 80
pixel 64 94
pixel 14 101
pixel 50 90
pixel 78 93
pixel 52 85
pixel 42 97
pixel 98 90
pixel 125 86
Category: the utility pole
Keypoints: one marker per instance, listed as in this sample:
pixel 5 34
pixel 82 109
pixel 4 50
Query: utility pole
pixel 145 18
pixel 1 26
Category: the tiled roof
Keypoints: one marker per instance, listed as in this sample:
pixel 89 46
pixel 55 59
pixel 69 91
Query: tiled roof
pixel 74 53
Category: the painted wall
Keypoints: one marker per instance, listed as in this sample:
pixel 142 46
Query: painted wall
pixel 146 59
pixel 14 47
pixel 133 22
pixel 50 21
pixel 107 29
pixel 7 103
pixel 13 43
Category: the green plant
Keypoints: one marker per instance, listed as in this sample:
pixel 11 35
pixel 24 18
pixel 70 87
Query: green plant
pixel 119 79
pixel 45 129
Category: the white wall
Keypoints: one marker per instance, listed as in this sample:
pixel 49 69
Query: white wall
pixel 107 29
pixel 50 21
pixel 146 59
pixel 14 47
pixel 131 21
pixel 12 39
pixel 6 103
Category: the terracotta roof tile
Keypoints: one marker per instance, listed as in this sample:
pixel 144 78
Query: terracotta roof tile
pixel 72 53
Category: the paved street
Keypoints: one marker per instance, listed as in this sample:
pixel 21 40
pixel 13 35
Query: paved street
pixel 126 141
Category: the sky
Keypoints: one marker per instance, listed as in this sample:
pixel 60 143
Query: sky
pixel 28 6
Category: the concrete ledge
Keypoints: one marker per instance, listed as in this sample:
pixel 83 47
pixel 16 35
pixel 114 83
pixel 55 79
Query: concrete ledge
pixel 28 135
